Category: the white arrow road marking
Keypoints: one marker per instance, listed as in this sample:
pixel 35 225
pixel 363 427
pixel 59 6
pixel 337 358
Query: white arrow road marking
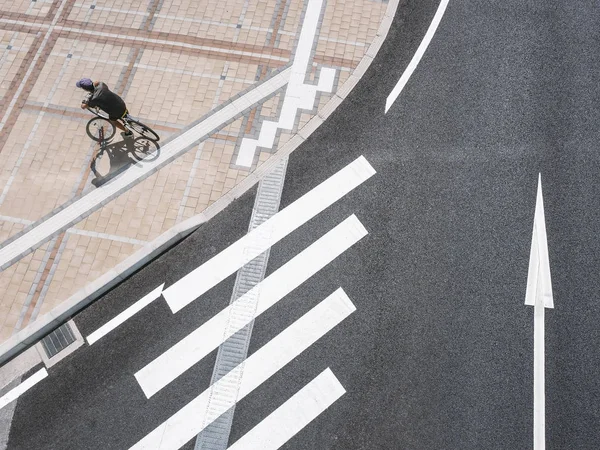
pixel 15 393
pixel 539 282
pixel 418 55
pixel 259 367
pixel 287 420
pixel 200 342
pixel 128 313
pixel 215 270
pixel 539 295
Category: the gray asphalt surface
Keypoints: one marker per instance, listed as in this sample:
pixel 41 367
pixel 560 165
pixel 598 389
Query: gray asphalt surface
pixel 439 353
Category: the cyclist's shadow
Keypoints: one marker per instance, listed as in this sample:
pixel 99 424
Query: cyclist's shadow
pixel 114 158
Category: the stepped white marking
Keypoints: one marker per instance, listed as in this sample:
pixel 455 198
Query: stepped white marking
pixel 128 313
pixel 16 392
pixel 287 420
pixel 266 235
pixel 191 349
pixel 79 209
pixel 418 55
pixel 259 367
pixel 298 95
pixel 539 295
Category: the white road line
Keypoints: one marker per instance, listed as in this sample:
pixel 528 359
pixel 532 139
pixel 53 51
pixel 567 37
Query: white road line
pixel 259 367
pixel 15 393
pixel 418 55
pixel 199 343
pixel 215 270
pixel 539 295
pixel 287 420
pixel 78 210
pixel 127 314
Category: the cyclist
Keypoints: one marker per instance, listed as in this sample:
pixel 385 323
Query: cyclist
pixel 99 95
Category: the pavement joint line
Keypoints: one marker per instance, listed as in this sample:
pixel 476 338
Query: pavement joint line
pixel 33 288
pixel 80 299
pixel 46 285
pixel 32 65
pixel 209 48
pixel 234 351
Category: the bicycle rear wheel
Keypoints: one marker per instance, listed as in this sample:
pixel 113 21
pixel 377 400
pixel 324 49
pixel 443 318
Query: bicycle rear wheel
pixel 142 129
pixel 98 126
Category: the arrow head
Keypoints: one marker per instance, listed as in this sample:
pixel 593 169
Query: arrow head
pixel 539 282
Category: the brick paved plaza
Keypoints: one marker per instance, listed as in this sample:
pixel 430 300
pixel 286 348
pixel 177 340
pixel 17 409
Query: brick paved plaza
pixel 173 61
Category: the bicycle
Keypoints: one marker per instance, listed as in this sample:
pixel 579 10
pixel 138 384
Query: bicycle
pixel 103 123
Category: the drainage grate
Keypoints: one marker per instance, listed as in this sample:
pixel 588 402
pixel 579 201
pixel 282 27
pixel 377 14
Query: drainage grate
pixel 58 340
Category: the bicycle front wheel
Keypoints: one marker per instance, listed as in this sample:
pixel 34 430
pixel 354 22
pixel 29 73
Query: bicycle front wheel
pixel 100 129
pixel 142 129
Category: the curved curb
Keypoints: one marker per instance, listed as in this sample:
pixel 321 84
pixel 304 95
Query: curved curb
pixel 51 320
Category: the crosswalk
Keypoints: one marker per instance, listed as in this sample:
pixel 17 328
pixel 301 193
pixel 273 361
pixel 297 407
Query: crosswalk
pixel 191 349
pixel 260 366
pixel 316 396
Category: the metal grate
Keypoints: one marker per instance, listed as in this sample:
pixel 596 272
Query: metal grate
pixel 58 340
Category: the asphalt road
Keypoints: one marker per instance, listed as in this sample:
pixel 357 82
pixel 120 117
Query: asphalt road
pixel 439 353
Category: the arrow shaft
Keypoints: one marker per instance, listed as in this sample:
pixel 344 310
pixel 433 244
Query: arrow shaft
pixel 539 394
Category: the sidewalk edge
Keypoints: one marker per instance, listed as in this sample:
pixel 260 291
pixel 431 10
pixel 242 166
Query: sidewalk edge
pixel 48 322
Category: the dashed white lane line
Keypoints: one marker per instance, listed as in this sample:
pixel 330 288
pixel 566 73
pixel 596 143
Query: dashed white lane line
pixel 15 393
pixel 122 317
pixel 418 55
pixel 191 349
pixel 287 420
pixel 259 367
pixel 539 295
pixel 200 280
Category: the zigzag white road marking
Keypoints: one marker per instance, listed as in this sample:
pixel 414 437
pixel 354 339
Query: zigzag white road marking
pixel 298 95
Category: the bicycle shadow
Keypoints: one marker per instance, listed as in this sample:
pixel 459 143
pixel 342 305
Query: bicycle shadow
pixel 113 158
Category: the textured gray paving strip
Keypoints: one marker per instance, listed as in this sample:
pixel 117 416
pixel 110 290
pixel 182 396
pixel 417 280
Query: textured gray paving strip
pixel 234 350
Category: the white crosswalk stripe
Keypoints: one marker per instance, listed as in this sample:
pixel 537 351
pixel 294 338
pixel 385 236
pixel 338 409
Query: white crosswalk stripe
pixel 260 366
pixel 210 335
pixel 287 420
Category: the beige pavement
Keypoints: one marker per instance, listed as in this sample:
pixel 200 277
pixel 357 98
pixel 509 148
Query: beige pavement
pixel 173 61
